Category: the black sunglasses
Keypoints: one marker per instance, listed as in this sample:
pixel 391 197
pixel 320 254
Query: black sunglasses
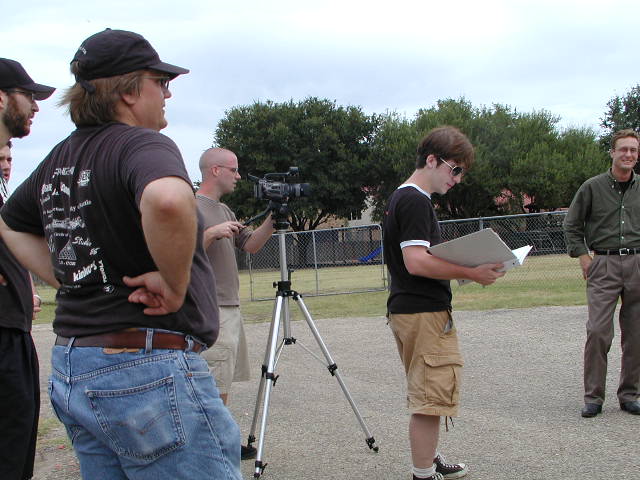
pixel 455 171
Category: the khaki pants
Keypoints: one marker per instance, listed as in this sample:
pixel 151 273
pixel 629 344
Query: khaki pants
pixel 611 277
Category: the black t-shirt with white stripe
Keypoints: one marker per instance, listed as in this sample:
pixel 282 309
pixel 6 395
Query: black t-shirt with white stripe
pixel 410 219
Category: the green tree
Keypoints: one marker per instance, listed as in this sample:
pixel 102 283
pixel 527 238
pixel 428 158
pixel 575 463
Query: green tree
pixel 393 153
pixel 551 172
pixel 329 143
pixel 622 112
pixel 504 140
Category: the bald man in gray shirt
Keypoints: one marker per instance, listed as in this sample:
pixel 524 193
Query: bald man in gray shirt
pixel 228 357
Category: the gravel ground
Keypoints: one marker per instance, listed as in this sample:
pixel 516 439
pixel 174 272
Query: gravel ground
pixel 522 394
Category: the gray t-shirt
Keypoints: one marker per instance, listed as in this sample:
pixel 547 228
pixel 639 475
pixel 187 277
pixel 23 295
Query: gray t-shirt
pixel 221 252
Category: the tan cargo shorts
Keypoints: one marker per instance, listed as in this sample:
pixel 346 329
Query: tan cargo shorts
pixel 228 358
pixel 428 347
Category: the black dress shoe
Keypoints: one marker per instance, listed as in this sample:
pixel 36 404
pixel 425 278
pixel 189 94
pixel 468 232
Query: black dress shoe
pixel 591 410
pixel 632 407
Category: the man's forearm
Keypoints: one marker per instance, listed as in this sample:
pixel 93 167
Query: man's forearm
pixel 169 222
pixel 259 236
pixel 574 236
pixel 574 224
pixel 419 262
pixel 31 251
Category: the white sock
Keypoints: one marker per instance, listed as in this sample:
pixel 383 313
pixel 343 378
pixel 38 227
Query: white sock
pixel 424 472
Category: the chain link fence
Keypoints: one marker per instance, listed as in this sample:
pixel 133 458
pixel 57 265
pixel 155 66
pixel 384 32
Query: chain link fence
pixel 325 262
pixel 547 263
pixel 543 231
pixel 349 260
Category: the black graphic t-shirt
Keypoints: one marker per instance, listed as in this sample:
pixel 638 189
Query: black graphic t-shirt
pixel 409 220
pixel 16 297
pixel 84 199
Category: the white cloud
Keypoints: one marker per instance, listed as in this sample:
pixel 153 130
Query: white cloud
pixel 566 56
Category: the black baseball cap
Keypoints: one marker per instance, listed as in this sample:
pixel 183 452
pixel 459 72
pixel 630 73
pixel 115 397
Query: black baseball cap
pixel 13 75
pixel 116 52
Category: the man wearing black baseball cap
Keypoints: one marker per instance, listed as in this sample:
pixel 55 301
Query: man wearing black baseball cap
pixel 19 377
pixel 109 217
pixel 18 96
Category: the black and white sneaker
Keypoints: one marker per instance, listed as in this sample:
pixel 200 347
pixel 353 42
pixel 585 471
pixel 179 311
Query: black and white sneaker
pixel 449 470
pixel 435 476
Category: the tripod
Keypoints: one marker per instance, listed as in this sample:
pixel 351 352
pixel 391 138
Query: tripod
pixel 273 350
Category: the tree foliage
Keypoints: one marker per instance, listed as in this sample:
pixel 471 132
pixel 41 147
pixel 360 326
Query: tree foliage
pixel 524 162
pixel 522 159
pixel 329 143
pixel 622 112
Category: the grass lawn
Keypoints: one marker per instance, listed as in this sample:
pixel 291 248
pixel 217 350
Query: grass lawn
pixel 541 281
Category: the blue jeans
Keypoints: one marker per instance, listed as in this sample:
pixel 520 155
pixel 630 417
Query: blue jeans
pixel 137 415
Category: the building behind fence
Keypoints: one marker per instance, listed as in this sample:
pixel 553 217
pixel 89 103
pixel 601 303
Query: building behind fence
pixel 350 260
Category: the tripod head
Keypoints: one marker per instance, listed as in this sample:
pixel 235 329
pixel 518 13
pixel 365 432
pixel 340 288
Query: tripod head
pixel 279 215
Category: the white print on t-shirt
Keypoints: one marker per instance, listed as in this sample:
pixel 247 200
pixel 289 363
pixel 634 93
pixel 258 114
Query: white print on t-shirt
pixel 102 272
pixel 67 253
pixel 65 171
pixel 84 271
pixel 76 223
pixel 83 180
pixel 82 241
pixel 68 238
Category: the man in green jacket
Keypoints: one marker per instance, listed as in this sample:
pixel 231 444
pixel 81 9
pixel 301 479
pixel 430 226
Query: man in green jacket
pixel 604 217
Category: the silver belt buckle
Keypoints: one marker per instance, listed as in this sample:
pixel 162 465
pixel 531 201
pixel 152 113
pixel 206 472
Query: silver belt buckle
pixel 623 251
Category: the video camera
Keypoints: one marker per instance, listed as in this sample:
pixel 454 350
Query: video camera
pixel 279 191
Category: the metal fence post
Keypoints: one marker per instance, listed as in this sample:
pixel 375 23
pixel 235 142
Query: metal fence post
pixel 315 261
pixel 250 279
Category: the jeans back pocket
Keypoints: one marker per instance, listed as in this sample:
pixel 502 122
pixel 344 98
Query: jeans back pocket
pixel 140 422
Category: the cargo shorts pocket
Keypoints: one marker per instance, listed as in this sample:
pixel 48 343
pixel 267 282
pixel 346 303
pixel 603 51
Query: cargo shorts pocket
pixel 140 422
pixel 442 379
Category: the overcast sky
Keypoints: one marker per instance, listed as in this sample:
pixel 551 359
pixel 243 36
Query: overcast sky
pixel 567 57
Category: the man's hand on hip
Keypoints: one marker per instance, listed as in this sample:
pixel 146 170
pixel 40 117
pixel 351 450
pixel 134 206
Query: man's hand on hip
pixel 155 293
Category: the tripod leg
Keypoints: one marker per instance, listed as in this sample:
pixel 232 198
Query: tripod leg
pixel 266 383
pixel 254 422
pixel 333 369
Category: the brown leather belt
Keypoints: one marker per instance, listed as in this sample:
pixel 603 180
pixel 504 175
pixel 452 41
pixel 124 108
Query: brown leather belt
pixel 131 339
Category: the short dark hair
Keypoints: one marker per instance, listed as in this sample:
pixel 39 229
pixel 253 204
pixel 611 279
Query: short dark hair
pixel 627 132
pixel 99 107
pixel 9 144
pixel 445 142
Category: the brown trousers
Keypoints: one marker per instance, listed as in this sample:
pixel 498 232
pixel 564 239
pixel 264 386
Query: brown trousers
pixel 611 277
